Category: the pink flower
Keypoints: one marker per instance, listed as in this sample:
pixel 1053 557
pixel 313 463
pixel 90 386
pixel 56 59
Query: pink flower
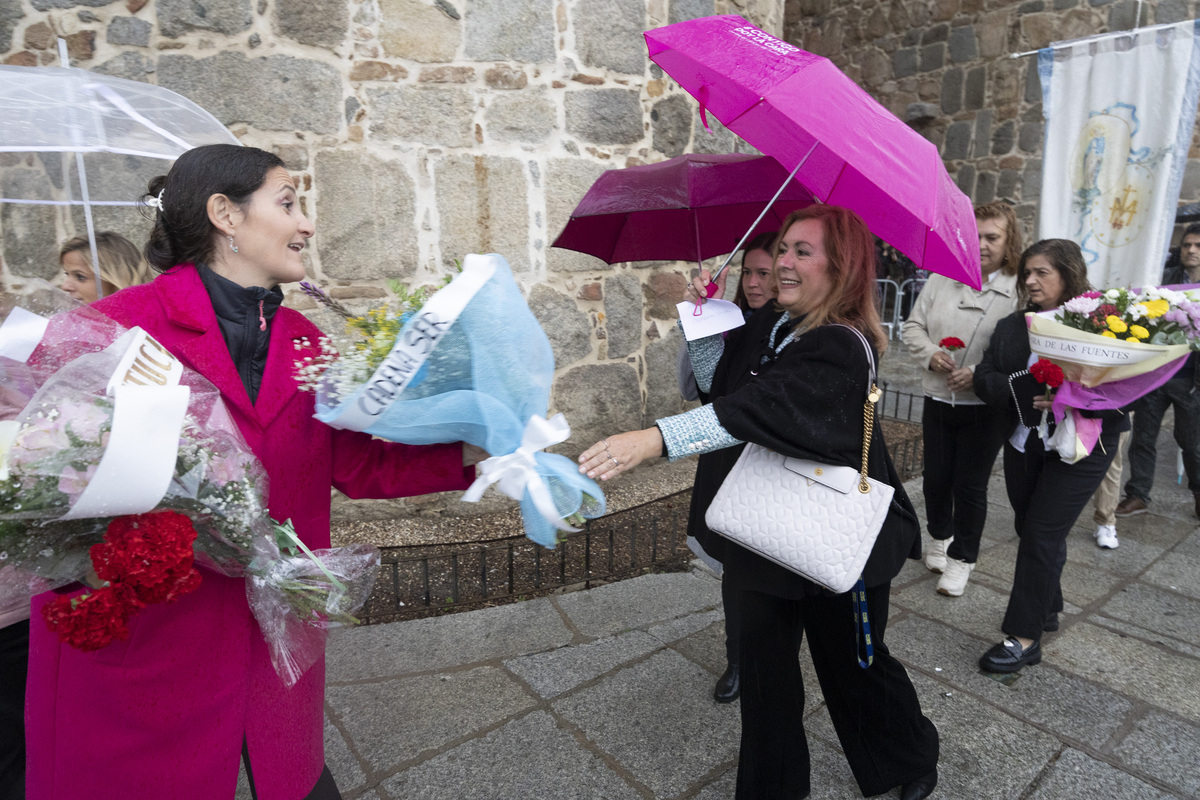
pixel 72 482
pixel 225 469
pixel 42 434
pixel 84 420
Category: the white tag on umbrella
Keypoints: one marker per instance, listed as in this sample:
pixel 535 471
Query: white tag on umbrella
pixel 716 316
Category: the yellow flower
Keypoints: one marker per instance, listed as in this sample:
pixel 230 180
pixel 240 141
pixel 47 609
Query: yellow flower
pixel 1116 324
pixel 1109 334
pixel 1132 339
pixel 1139 332
pixel 1156 308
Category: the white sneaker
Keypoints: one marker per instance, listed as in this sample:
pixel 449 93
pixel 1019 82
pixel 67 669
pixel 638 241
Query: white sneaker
pixel 1106 536
pixel 954 580
pixel 935 559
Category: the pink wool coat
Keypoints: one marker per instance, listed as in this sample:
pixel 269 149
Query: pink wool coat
pixel 163 714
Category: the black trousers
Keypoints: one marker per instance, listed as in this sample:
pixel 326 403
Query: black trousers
pixel 325 788
pixel 961 444
pixel 730 599
pixel 14 669
pixel 875 711
pixel 1047 496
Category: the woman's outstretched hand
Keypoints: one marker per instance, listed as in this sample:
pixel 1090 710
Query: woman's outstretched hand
pixel 619 453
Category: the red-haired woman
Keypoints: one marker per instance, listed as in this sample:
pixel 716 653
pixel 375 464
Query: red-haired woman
pixel 791 380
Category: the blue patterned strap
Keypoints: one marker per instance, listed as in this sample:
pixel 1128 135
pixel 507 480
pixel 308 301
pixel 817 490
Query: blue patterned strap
pixel 694 432
pixel 863 623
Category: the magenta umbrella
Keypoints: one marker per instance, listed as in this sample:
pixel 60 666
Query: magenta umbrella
pixel 847 148
pixel 692 207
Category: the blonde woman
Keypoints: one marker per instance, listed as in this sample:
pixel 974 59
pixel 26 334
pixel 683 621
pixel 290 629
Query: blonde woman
pixel 121 266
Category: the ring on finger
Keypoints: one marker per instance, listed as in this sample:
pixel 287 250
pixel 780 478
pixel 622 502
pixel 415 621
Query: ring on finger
pixel 614 460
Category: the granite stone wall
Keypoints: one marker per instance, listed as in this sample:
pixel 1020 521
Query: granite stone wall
pixel 421 130
pixel 944 67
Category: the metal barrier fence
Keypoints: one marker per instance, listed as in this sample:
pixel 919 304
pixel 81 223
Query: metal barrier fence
pixel 419 581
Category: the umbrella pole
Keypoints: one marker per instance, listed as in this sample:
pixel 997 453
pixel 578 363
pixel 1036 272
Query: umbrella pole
pixel 84 195
pixel 766 208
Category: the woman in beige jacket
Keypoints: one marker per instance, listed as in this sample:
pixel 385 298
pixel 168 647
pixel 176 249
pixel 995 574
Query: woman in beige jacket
pixel 962 434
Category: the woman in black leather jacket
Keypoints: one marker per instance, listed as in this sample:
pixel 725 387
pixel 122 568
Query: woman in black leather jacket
pixel 1046 493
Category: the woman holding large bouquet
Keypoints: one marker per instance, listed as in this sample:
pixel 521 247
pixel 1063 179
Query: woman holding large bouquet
pixel 791 380
pixel 168 712
pixel 1047 494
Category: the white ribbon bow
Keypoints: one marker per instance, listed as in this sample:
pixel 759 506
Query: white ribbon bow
pixel 516 472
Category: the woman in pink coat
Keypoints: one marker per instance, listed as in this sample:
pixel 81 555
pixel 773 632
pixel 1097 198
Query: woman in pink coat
pixel 168 712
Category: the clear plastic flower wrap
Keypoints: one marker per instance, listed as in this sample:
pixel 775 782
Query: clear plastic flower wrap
pixel 471 363
pixel 113 425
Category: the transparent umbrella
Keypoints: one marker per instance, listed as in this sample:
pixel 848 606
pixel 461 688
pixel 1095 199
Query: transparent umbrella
pixel 93 121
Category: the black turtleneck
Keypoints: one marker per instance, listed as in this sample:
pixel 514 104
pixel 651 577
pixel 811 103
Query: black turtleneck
pixel 244 314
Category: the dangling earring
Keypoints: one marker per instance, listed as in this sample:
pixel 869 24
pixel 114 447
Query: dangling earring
pixel 232 246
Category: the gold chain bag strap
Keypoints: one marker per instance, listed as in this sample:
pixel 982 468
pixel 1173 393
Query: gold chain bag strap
pixel 817 520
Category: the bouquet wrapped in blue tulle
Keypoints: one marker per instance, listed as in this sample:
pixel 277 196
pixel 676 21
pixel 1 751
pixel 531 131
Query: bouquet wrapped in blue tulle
pixel 470 363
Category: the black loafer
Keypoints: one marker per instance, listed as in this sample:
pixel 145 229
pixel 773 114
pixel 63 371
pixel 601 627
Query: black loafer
pixel 729 685
pixel 920 788
pixel 1009 656
pixel 1051 623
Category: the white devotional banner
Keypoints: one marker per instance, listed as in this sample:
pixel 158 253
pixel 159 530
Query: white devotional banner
pixel 1119 116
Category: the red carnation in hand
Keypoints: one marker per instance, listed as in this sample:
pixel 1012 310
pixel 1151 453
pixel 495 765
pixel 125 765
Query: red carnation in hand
pixel 1047 372
pixel 94 620
pixel 151 554
pixel 951 343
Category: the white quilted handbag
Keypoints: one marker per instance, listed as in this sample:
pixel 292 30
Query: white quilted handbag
pixel 817 520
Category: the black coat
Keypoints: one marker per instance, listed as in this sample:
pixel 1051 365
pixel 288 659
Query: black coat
pixel 1007 354
pixel 807 402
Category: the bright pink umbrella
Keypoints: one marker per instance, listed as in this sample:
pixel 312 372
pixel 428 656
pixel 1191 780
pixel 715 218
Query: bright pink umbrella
pixel 692 207
pixel 849 150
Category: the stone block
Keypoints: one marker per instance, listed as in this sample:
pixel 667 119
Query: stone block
pixel 130 31
pixel 662 382
pixel 1003 138
pixel 30 235
pixel 1031 6
pixel 234 88
pixel 665 750
pixel 715 140
pixel 663 290
pixel 435 709
pixel 952 90
pixel 38 36
pixel 876 67
pixel 623 313
pixel 591 291
pixel 640 602
pixel 1030 138
pixel 366 216
pixel 129 65
pixel 551 673
pixel 1060 5
pixel 567 180
pixel 180 17
pixel 671 125
pixel 483 208
pixel 904 62
pixel 81 45
pixel 521 117
pixel 985 187
pixel 938 33
pixel 965 179
pixel 1172 617
pixel 567 327
pixel 503 76
pixel 992 33
pixel 425 114
pixel 983 133
pixel 933 56
pixel 608 34
pixel 546 752
pixel 47 5
pixel 598 399
pixel 920 113
pixel 418 30
pixel 1123 15
pixel 499 30
pixel 1164 747
pixel 320 23
pixel 682 10
pixel 1075 774
pixel 604 116
pixel 446 74
pixel 340 760
pixel 962 45
pixel 1171 11
pixel 377 71
pixel 958 141
pixel 434 643
pixel 973 91
pixel 1006 187
pixel 676 630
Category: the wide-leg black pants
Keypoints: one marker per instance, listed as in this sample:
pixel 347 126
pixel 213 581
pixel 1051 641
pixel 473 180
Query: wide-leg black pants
pixel 875 711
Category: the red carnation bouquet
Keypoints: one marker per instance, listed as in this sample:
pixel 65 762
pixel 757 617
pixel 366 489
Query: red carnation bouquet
pixel 99 426
pixel 952 344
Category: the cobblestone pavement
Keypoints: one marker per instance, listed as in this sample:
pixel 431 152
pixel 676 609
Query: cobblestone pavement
pixel 606 693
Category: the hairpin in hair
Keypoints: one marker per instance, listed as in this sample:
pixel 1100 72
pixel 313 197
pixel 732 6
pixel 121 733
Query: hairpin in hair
pixel 156 202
